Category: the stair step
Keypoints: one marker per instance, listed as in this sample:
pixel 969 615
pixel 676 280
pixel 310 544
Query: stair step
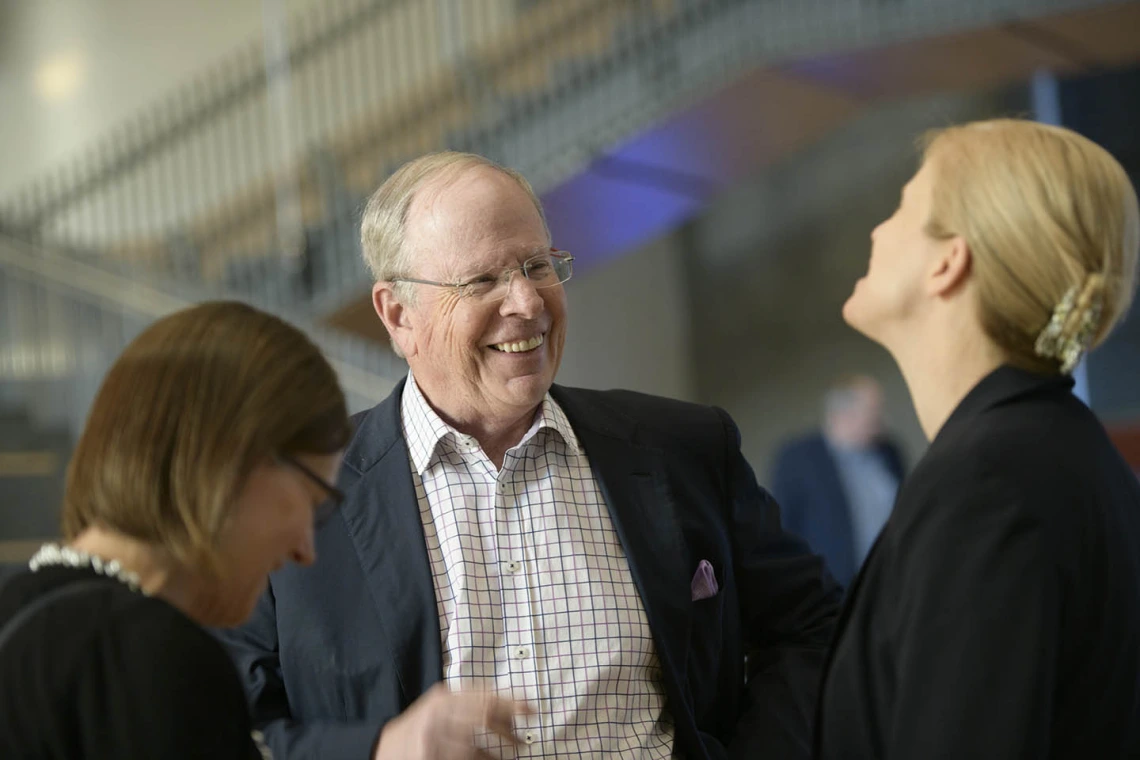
pixel 30 508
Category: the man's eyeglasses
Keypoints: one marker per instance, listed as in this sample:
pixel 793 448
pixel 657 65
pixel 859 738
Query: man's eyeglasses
pixel 325 509
pixel 544 271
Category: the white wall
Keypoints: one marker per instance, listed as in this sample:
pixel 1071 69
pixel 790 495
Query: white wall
pixel 71 70
pixel 75 71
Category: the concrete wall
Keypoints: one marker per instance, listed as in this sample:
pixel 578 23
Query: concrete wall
pixel 631 326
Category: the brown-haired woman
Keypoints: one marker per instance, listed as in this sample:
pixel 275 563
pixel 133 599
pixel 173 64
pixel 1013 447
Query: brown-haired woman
pixel 209 450
pixel 998 616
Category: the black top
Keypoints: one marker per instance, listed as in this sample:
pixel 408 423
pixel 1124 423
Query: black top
pixel 999 614
pixel 109 673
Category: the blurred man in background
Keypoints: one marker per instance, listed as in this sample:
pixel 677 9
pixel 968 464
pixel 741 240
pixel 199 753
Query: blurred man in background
pixel 837 485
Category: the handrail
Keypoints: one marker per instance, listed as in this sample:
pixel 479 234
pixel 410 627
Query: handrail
pixel 200 158
pixel 98 286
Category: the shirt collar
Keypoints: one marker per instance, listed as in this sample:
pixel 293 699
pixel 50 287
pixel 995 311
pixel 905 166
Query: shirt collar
pixel 424 431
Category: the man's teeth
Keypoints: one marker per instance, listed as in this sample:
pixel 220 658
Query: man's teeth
pixel 526 345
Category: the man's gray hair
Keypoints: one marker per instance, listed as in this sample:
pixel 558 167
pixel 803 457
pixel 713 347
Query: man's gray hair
pixel 385 215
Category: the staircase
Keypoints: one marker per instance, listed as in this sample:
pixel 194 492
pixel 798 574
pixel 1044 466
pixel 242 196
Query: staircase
pixel 62 323
pixel 246 183
pixel 32 463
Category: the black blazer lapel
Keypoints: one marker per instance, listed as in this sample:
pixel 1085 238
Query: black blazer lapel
pixel 383 519
pixel 634 483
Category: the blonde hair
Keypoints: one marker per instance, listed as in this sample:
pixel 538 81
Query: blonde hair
pixel 1050 217
pixel 188 410
pixel 386 213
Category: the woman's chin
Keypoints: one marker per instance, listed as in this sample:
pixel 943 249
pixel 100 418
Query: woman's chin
pixel 860 315
pixel 851 309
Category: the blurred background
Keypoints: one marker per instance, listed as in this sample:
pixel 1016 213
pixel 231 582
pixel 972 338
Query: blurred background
pixel 715 166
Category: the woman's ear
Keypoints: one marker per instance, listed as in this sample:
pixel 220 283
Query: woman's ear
pixel 951 267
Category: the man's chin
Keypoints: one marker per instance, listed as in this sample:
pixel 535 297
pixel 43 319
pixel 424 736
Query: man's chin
pixel 526 389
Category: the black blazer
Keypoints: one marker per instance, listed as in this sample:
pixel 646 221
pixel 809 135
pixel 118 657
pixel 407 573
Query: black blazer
pixel 999 614
pixel 336 650
pixel 806 481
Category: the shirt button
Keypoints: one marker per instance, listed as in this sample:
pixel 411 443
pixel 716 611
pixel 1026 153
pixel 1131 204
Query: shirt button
pixel 514 567
pixel 529 737
pixel 521 653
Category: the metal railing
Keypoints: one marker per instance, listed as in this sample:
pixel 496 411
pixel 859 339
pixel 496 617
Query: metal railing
pixel 63 322
pixel 258 162
pixel 247 181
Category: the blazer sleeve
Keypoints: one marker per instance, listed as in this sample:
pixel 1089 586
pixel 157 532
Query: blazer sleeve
pixel 978 625
pixel 154 685
pixel 788 607
pixel 253 647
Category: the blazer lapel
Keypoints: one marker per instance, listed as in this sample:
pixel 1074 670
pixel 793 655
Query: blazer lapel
pixel 633 482
pixel 383 520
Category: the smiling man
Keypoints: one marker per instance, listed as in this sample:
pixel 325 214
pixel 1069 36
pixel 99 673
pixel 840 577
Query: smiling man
pixel 522 569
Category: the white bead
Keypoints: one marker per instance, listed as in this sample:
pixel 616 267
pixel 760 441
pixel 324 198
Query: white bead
pixel 51 555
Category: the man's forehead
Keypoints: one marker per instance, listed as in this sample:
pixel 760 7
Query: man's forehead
pixel 456 189
pixel 489 214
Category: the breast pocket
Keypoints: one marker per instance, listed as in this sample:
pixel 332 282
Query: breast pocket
pixel 706 645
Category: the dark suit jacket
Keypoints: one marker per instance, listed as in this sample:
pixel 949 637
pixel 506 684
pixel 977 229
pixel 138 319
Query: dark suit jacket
pixel 999 614
pixel 334 651
pixel 806 482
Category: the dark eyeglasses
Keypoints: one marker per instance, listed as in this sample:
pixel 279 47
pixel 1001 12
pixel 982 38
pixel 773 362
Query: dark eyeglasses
pixel 323 511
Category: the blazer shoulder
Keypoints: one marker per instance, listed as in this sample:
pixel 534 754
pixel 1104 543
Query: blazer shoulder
pixel 1028 460
pixel 375 431
pixel 664 421
pixel 1027 440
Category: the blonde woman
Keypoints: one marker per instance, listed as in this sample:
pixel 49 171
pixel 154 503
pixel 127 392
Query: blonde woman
pixel 207 456
pixel 998 615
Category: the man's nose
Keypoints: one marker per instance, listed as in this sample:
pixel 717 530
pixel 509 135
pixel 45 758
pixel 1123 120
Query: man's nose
pixel 522 297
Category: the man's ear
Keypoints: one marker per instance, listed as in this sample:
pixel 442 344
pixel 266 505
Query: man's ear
pixel 398 319
pixel 951 267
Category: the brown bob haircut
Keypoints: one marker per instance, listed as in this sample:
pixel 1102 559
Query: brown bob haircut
pixel 192 406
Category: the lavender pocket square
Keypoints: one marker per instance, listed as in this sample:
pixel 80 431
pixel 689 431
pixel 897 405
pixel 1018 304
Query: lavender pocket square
pixel 704 582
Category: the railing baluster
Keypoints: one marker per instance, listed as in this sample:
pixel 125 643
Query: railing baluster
pixel 343 68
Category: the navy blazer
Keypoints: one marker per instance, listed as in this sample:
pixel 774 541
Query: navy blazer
pixel 805 479
pixel 335 650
